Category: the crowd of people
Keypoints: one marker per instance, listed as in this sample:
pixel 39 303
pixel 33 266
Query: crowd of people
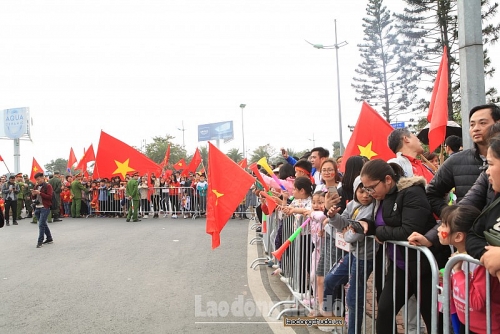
pixel 415 197
pixel 418 197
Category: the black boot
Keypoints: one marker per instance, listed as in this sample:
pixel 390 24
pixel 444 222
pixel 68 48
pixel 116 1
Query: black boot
pixel 56 218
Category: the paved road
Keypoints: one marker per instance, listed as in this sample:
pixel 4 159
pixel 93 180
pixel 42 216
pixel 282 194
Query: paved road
pixel 104 275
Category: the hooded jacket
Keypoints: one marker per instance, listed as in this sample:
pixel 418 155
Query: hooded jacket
pixel 405 210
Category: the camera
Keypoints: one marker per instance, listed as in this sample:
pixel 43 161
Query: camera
pixel 34 204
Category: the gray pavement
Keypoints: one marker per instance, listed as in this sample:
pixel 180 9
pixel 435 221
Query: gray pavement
pixel 104 275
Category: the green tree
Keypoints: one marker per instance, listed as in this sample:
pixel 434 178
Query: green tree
pixel 157 149
pixel 59 165
pixel 336 149
pixel 385 77
pixel 428 25
pixel 263 151
pixel 235 155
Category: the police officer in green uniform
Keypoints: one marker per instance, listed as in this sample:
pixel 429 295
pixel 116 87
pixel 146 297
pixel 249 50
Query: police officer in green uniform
pixel 76 189
pixel 56 184
pixel 132 193
pixel 20 196
pixel 27 195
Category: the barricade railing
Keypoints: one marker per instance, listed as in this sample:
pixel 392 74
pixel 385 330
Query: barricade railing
pixel 297 260
pixel 461 295
pixel 176 201
pixel 268 229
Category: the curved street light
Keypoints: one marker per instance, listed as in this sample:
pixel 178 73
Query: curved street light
pixel 335 46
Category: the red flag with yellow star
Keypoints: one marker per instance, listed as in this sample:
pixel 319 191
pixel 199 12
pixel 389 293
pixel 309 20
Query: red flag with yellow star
pixel 369 137
pixel 87 157
pixel 228 183
pixel 115 158
pixel 35 168
pixel 181 164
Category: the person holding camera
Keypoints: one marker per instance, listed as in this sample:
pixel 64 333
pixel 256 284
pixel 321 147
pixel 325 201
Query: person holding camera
pixel 42 201
pixel 10 190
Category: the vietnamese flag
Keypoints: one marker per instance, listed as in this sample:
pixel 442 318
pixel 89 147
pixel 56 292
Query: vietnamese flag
pixel 87 157
pixel 256 171
pixel 227 186
pixel 1 159
pixel 181 164
pixel 438 109
pixel 35 168
pixel 115 158
pixel 193 165
pixel 243 163
pixel 167 156
pixel 369 137
pixel 71 160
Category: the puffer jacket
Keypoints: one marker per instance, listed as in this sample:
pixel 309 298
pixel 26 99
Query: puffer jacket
pixel 459 171
pixel 405 210
pixel 480 193
pixel 475 242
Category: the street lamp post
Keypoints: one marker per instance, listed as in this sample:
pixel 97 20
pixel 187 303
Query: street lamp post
pixel 335 46
pixel 182 129
pixel 242 106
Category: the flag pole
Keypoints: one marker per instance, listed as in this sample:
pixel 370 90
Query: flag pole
pixel 6 166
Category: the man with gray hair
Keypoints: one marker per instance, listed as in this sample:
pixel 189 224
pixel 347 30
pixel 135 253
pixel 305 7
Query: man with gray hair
pixel 407 147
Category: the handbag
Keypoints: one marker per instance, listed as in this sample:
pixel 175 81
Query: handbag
pixel 492 236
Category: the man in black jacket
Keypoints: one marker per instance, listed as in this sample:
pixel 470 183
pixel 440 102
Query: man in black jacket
pixel 461 170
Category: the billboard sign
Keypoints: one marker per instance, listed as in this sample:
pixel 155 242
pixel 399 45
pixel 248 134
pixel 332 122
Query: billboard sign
pixel 16 122
pixel 398 125
pixel 214 131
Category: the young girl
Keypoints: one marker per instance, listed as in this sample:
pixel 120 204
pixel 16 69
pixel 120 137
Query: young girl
pixel 185 204
pixel 456 221
pixel 317 219
pixel 300 206
pixel 360 208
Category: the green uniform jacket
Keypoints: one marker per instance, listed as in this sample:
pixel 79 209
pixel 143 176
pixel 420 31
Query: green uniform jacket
pixel 27 189
pixel 76 188
pixel 56 184
pixel 132 189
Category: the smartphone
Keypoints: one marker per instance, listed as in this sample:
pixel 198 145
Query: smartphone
pixel 332 190
pixel 283 152
pixel 259 185
pixel 358 228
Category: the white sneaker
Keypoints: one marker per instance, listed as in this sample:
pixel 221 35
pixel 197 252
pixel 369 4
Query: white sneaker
pixel 285 280
pixel 174 216
pixel 145 217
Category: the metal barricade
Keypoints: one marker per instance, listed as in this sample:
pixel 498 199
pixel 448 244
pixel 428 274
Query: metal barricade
pixel 464 301
pixel 178 202
pixel 296 262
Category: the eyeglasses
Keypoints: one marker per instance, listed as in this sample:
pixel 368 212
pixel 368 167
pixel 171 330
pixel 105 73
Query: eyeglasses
pixel 371 189
pixel 330 170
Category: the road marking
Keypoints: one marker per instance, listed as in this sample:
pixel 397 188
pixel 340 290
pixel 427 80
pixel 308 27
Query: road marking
pixel 258 290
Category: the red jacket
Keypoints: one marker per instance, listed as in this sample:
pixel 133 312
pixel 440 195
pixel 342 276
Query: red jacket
pixel 45 193
pixel 477 298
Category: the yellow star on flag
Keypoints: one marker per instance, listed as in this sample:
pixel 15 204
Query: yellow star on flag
pixel 218 194
pixel 123 168
pixel 366 151
pixel 35 169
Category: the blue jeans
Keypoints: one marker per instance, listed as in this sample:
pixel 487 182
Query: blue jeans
pixel 340 275
pixel 357 266
pixel 67 208
pixel 41 215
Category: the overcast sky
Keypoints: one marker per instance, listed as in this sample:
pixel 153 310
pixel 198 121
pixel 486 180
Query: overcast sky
pixel 138 69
